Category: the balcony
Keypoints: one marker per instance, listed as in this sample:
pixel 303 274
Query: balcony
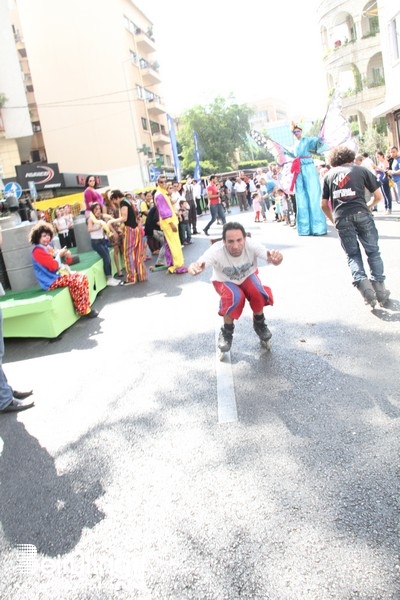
pixel 155 106
pixel 351 51
pixel 150 75
pixel 144 42
pixel 161 138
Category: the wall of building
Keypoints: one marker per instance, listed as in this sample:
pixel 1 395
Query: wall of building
pixel 89 112
pixel 14 114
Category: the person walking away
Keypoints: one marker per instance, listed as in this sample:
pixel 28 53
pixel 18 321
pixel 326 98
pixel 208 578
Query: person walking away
pixel 344 187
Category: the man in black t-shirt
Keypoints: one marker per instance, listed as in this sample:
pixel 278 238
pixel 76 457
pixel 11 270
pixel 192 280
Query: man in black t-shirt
pixel 343 202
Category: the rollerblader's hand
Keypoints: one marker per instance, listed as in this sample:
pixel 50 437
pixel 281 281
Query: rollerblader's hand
pixel 196 268
pixel 274 256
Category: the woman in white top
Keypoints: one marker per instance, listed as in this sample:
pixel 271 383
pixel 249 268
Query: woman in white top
pixel 99 232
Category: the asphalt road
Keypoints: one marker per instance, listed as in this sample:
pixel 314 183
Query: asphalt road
pixel 126 482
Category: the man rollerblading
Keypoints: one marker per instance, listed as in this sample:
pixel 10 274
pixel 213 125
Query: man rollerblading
pixel 381 292
pixel 367 292
pixel 235 279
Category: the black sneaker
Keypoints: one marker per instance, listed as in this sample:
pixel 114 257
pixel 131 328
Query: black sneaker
pixel 205 231
pixel 91 315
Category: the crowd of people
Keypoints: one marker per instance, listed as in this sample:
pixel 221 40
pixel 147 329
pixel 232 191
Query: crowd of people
pixel 162 222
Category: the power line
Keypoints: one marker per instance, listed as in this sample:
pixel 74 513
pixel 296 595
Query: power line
pixel 76 102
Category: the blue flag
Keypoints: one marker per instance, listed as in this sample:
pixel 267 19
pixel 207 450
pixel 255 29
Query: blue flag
pixel 174 147
pixel 196 174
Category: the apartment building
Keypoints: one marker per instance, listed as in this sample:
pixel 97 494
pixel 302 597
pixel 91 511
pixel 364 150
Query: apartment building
pixel 351 40
pixel 389 18
pixel 82 82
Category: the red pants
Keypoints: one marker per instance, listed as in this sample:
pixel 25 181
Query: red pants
pixel 233 296
pixel 78 286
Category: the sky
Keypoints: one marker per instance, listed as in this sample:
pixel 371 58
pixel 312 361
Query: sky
pixel 250 49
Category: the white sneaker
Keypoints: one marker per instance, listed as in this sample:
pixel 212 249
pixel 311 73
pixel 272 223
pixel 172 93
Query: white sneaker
pixel 113 282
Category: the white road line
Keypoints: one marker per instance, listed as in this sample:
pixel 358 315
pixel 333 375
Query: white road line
pixel 227 410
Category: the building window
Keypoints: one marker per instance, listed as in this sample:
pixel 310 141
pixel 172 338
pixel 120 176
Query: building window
pixel 133 57
pixel 144 124
pixel 394 35
pixel 155 127
pixel 374 25
pixel 377 77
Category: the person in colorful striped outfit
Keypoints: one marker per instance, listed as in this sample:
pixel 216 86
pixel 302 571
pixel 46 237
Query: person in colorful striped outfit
pixel 133 239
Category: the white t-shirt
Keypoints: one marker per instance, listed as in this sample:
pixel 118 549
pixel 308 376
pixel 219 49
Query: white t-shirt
pixel 197 190
pixel 175 199
pixel 240 186
pixel 231 268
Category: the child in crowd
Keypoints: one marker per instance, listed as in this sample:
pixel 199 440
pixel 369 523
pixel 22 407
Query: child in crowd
pixel 284 206
pixel 184 225
pixel 277 206
pixel 256 203
pixel 223 194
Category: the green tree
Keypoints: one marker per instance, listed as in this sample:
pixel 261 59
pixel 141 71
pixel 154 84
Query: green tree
pixel 222 129
pixel 372 140
pixel 315 128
